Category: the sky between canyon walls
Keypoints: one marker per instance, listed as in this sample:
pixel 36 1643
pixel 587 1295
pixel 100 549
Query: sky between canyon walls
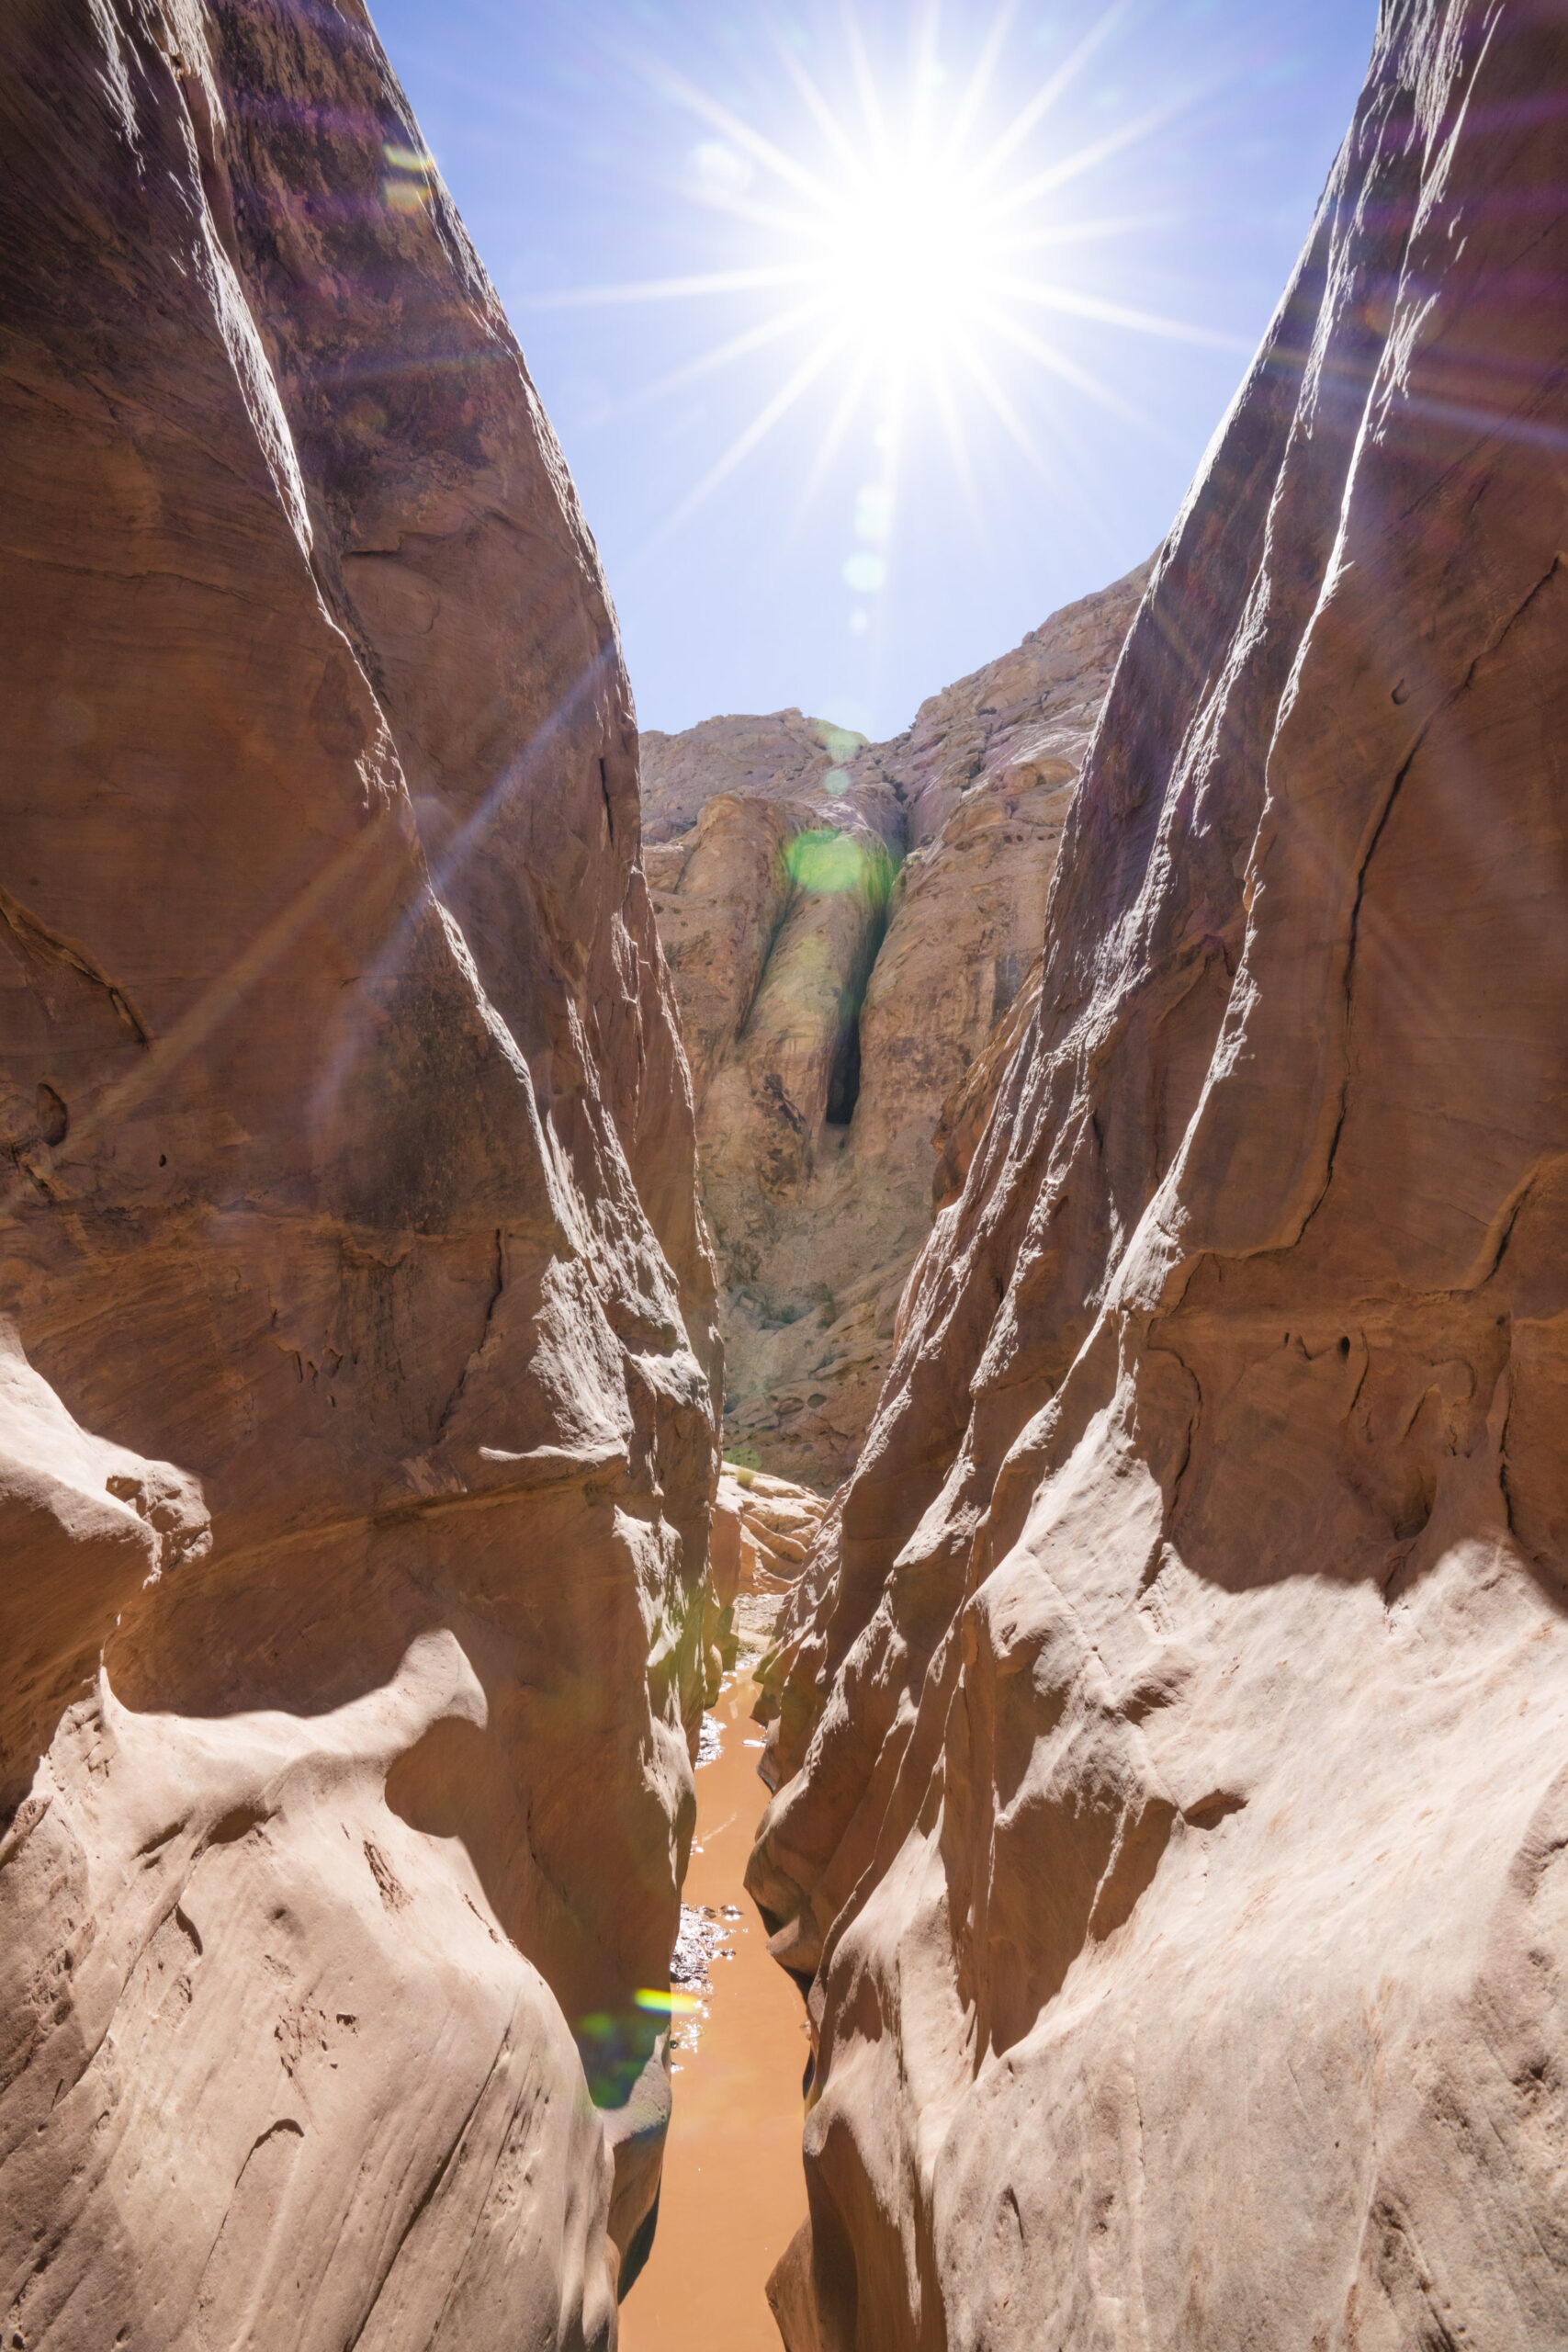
pixel 874 332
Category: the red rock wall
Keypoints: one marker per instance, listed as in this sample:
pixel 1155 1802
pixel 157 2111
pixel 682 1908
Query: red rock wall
pixel 360 1314
pixel 848 927
pixel 1172 1802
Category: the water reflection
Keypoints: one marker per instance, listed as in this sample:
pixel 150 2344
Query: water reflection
pixel 733 2193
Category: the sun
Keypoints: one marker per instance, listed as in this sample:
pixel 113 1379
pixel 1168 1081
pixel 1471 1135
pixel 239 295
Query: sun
pixel 899 243
pixel 904 255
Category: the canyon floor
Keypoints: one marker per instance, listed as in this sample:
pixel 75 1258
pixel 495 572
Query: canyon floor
pixel 1120 1132
pixel 733 2195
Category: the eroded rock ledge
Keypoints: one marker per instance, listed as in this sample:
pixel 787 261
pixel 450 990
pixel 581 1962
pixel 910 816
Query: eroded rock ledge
pixel 355 1402
pixel 851 928
pixel 1172 1806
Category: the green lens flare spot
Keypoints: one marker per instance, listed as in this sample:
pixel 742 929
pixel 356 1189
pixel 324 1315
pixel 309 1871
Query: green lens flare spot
pixel 841 743
pixel 822 861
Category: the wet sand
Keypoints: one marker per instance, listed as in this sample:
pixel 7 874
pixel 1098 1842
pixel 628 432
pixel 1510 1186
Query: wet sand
pixel 733 2194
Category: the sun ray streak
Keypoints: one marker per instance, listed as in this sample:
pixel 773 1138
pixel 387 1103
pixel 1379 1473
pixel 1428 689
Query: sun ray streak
pixel 1081 232
pixel 751 141
pixel 1058 363
pixel 709 362
pixel 838 424
pixel 741 449
pixel 1003 409
pixel 1118 314
pixel 816 105
pixel 946 408
pixel 1072 168
pixel 865 86
pixel 762 215
pixel 671 289
pixel 980 79
pixel 925 70
pixel 1045 98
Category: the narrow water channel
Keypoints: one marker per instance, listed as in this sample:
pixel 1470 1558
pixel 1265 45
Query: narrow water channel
pixel 733 2194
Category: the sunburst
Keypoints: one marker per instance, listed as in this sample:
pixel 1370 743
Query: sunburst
pixel 898 239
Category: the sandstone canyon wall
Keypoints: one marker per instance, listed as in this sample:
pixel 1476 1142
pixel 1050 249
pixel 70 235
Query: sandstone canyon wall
pixel 1172 1804
pixel 850 927
pixel 358 1377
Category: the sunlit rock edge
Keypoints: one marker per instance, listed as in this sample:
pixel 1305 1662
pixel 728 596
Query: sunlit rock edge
pixel 1171 1808
pixel 358 1389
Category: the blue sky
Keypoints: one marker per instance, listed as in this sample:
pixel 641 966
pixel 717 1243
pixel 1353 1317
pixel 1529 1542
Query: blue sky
pixel 959 298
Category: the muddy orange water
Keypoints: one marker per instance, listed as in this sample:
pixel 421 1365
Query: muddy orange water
pixel 734 2194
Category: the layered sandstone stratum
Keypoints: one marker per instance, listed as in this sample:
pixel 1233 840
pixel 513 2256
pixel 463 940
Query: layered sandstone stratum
pixel 1171 1830
pixel 852 929
pixel 356 1435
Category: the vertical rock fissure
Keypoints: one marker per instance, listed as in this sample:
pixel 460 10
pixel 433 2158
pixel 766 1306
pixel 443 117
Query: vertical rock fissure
pixel 844 1077
pixel 844 1071
pixel 855 950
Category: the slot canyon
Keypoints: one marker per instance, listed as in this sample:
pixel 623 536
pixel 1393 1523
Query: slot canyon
pixel 786 1518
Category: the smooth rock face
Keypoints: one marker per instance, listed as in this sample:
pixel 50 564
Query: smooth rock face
pixel 848 927
pixel 355 1396
pixel 1172 1816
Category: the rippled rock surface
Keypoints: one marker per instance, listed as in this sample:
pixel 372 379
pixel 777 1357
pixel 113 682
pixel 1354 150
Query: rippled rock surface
pixel 1172 1805
pixel 356 1435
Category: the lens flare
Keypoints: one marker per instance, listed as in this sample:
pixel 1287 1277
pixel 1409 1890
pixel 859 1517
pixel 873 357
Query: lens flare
pixel 667 2004
pixel 895 242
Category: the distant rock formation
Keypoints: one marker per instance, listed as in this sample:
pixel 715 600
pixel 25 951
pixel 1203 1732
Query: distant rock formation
pixel 355 1390
pixel 848 925
pixel 775 1521
pixel 1172 1819
pixel 763 1529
